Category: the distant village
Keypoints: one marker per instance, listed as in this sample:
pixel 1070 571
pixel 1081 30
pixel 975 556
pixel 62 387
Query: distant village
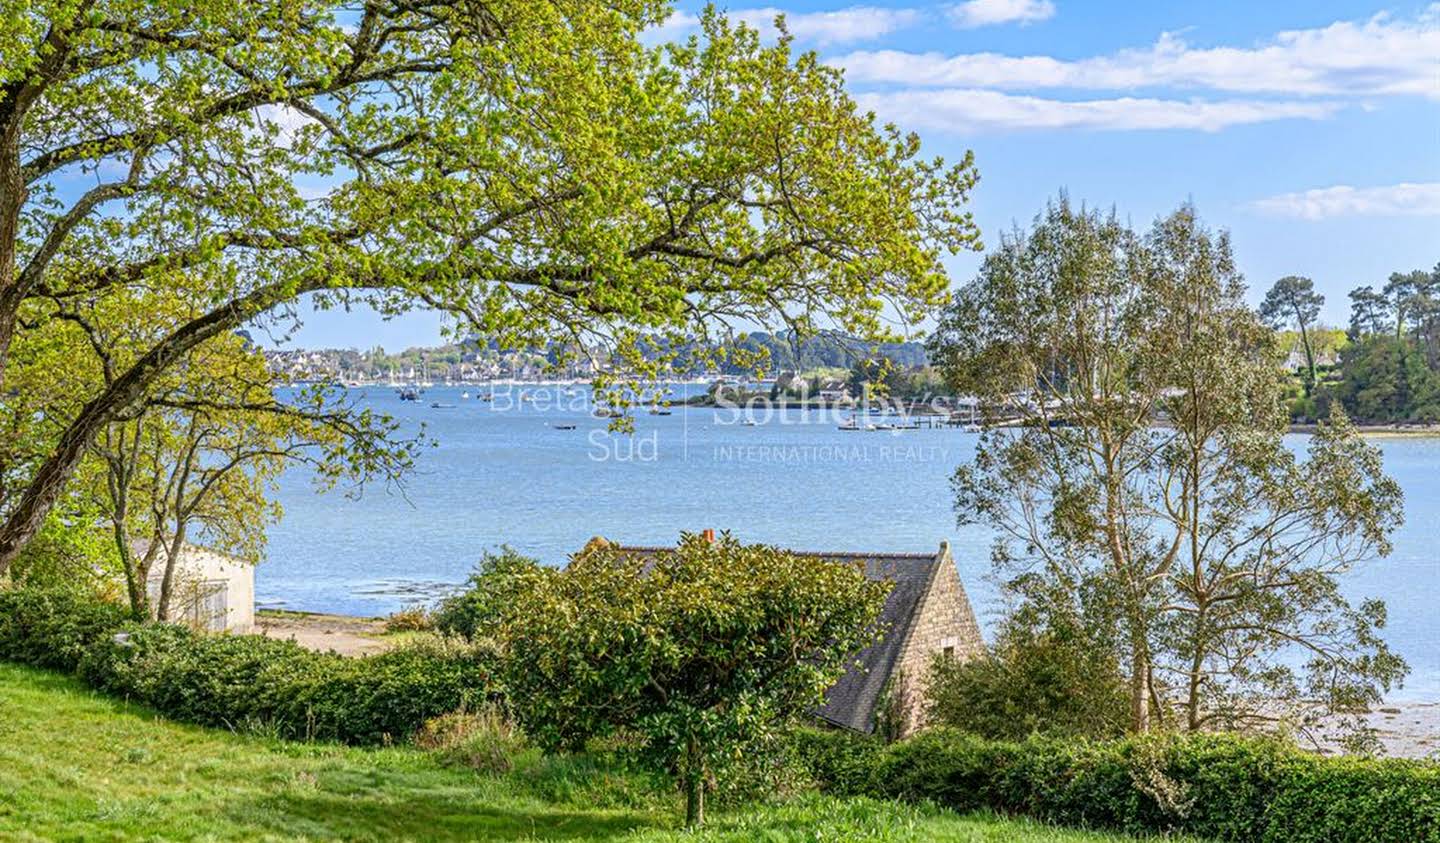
pixel 448 364
pixel 474 361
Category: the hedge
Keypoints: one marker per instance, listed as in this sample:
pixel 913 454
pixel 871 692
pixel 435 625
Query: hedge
pixel 1225 787
pixel 243 681
pixel 54 628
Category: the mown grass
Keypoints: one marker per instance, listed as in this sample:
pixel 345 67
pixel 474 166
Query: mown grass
pixel 78 766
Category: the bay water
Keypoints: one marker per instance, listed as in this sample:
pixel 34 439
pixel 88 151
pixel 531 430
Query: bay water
pixel 505 472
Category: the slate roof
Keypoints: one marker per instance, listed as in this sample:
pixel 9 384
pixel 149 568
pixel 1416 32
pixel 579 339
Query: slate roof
pixel 851 702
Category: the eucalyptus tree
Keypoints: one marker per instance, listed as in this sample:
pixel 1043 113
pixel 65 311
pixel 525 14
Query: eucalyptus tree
pixel 1293 301
pixel 1141 458
pixel 530 166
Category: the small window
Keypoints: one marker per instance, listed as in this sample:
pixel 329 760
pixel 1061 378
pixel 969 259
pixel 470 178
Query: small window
pixel 949 652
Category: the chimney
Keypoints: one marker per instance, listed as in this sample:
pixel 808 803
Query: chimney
pixel 709 536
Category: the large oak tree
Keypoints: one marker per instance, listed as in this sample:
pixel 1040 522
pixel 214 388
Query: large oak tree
pixel 529 165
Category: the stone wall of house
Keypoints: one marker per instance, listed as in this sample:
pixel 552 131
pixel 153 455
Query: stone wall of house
pixel 944 622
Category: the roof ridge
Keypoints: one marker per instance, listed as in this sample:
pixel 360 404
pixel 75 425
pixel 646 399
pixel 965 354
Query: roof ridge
pixel 824 553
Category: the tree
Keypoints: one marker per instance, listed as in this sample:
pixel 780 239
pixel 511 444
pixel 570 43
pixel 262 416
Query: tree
pixel 198 458
pixel 1147 452
pixel 1392 370
pixel 527 165
pixel 697 652
pixel 1401 289
pixel 1369 313
pixel 196 454
pixel 1052 670
pixel 1293 301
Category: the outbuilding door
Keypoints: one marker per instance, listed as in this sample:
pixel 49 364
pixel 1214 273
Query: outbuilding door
pixel 211 605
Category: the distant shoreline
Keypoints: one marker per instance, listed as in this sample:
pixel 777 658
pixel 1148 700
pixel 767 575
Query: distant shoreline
pixel 1415 430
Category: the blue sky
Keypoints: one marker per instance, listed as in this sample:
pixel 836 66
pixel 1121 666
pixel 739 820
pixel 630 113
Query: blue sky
pixel 1310 130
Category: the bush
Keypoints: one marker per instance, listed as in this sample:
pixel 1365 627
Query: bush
pixel 484 740
pixel 386 697
pixel 409 619
pixel 243 681
pixel 1052 671
pixel 1225 787
pixel 498 578
pixel 837 760
pixel 54 627
pixel 247 681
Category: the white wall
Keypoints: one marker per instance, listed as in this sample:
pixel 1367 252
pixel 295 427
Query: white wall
pixel 197 575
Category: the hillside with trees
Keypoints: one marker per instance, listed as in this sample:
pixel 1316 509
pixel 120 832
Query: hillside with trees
pixel 1384 368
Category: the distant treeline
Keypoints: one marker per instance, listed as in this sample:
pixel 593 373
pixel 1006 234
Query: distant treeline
pixel 1387 369
pixel 772 352
pixel 783 351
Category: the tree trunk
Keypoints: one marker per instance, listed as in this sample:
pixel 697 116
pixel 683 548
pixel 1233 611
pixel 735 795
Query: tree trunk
pixel 49 481
pixel 1309 360
pixel 167 581
pixel 694 788
pixel 135 573
pixel 39 496
pixel 1139 691
pixel 12 199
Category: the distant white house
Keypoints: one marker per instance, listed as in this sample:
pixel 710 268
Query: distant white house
pixel 210 590
pixel 1295 360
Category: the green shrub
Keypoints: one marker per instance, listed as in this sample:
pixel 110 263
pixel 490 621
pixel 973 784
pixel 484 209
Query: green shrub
pixel 484 740
pixel 231 681
pixel 54 627
pixel 1224 787
pixel 409 619
pixel 243 681
pixel 387 697
pixel 1052 670
pixel 498 577
pixel 247 681
pixel 838 760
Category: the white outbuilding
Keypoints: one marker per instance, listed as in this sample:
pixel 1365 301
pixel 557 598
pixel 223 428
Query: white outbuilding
pixel 209 590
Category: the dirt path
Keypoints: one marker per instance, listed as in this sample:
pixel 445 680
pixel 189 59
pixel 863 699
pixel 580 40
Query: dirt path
pixel 345 635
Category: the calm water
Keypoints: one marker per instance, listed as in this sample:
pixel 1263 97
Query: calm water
pixel 502 474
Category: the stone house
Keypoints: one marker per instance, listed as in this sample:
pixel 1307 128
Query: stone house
pixel 927 614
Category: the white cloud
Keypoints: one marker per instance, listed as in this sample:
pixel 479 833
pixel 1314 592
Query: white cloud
pixel 977 13
pixel 968 110
pixel 1379 56
pixel 287 122
pixel 840 26
pixel 1404 199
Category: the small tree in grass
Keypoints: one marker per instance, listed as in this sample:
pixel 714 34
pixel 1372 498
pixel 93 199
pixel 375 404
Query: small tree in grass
pixel 697 652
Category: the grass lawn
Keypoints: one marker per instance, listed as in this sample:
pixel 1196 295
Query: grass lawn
pixel 78 766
